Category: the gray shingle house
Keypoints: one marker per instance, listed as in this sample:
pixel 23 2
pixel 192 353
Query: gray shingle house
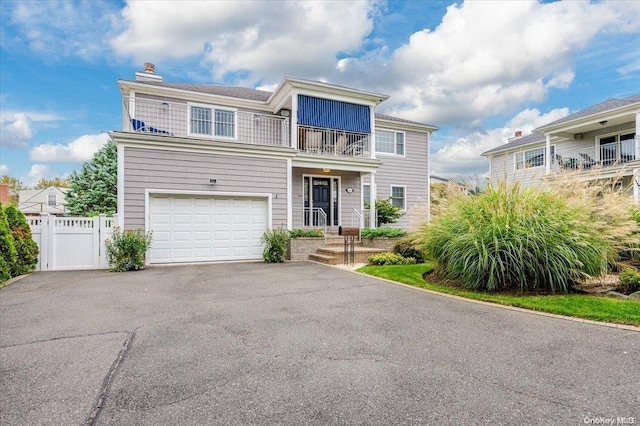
pixel 604 137
pixel 209 168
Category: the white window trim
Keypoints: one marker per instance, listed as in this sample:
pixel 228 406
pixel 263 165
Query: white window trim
pixel 331 205
pixel 362 200
pixel 524 163
pixel 395 143
pixel 404 187
pixel 213 109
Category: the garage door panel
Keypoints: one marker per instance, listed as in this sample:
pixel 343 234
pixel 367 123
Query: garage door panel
pixel 206 228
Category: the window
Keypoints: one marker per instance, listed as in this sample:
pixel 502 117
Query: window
pixel 212 121
pixel 366 194
pixel 390 142
pixel 398 198
pixel 619 147
pixel 530 158
pixel 52 200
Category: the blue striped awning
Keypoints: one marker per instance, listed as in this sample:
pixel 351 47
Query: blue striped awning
pixel 318 112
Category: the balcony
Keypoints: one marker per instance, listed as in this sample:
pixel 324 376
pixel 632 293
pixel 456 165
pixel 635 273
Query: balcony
pixel 163 118
pixel 331 142
pixel 607 155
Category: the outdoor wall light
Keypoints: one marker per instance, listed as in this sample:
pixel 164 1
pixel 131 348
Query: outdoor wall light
pixel 326 170
pixel 603 122
pixel 212 181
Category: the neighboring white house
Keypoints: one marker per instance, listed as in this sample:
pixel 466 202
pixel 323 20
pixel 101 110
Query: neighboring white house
pixel 605 136
pixel 209 168
pixel 49 200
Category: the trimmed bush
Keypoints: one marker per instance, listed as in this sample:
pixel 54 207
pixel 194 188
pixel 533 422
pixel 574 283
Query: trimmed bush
pixel 385 212
pixel 510 237
pixel 384 232
pixel 629 281
pixel 382 259
pixel 26 248
pixel 306 233
pixel 126 250
pixel 7 248
pixel 408 247
pixel 275 242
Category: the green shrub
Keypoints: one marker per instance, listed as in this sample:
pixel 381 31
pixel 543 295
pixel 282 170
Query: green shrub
pixel 275 242
pixel 385 212
pixel 126 251
pixel 408 247
pixel 385 232
pixel 390 259
pixel 629 281
pixel 26 248
pixel 510 237
pixel 306 233
pixel 7 248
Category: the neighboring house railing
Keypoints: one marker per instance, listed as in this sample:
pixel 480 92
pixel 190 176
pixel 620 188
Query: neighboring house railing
pixel 607 155
pixel 172 119
pixel 68 243
pixel 323 141
pixel 33 207
pixel 310 218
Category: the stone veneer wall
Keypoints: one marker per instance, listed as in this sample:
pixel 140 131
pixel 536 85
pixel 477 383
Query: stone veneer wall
pixel 380 243
pixel 299 249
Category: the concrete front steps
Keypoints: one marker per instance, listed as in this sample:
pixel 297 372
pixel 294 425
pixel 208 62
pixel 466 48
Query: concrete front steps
pixel 333 252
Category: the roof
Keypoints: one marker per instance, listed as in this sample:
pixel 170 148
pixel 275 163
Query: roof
pixel 228 91
pixel 605 106
pixel 524 140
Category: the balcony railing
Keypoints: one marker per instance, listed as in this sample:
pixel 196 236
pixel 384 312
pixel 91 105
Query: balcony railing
pixel 332 142
pixel 160 117
pixel 310 218
pixel 612 154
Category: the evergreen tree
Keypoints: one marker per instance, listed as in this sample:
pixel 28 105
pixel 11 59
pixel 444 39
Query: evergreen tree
pixel 94 189
pixel 26 248
pixel 7 249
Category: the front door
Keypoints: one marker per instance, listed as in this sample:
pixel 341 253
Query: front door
pixel 321 190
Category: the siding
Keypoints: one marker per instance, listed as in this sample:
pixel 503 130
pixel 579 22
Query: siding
pixel 348 202
pixel 410 171
pixel 158 169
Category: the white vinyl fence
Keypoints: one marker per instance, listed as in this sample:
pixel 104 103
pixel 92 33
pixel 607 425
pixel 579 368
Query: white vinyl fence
pixel 68 243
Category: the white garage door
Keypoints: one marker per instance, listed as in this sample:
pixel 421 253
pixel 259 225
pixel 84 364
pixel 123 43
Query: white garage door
pixel 195 228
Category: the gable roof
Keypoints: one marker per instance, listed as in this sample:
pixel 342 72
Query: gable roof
pixel 228 91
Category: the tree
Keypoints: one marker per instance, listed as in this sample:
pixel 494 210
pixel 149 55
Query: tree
pixel 7 248
pixel 15 186
pixel 26 248
pixel 385 212
pixel 47 183
pixel 93 190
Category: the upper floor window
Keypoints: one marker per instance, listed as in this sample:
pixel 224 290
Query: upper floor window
pixel 52 199
pixel 212 121
pixel 390 142
pixel 531 158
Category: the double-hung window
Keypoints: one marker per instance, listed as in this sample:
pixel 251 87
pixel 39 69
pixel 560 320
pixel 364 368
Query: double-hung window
pixel 212 121
pixel 390 142
pixel 399 197
pixel 530 158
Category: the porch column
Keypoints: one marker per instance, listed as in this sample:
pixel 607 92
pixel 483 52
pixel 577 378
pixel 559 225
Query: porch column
pixel 372 201
pixel 547 154
pixel 636 139
pixel 289 196
pixel 636 185
pixel 372 136
pixel 294 120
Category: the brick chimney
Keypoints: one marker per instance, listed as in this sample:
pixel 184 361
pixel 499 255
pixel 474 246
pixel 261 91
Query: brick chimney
pixel 149 74
pixel 518 133
pixel 4 194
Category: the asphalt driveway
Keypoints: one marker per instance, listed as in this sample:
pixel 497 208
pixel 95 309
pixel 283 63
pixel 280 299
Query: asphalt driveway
pixel 296 343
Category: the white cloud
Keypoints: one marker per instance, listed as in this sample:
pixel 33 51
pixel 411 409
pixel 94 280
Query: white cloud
pixel 59 29
pixel 15 133
pixel 488 58
pixel 462 157
pixel 37 172
pixel 4 170
pixel 76 151
pixel 247 41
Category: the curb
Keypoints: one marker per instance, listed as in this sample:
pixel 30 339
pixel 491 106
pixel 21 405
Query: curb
pixel 13 280
pixel 497 305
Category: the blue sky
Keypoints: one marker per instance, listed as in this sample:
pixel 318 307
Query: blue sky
pixel 478 70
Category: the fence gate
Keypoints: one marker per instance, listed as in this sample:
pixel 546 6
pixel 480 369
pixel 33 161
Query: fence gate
pixel 68 243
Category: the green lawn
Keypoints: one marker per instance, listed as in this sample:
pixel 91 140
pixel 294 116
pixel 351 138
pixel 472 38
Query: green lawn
pixel 574 305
